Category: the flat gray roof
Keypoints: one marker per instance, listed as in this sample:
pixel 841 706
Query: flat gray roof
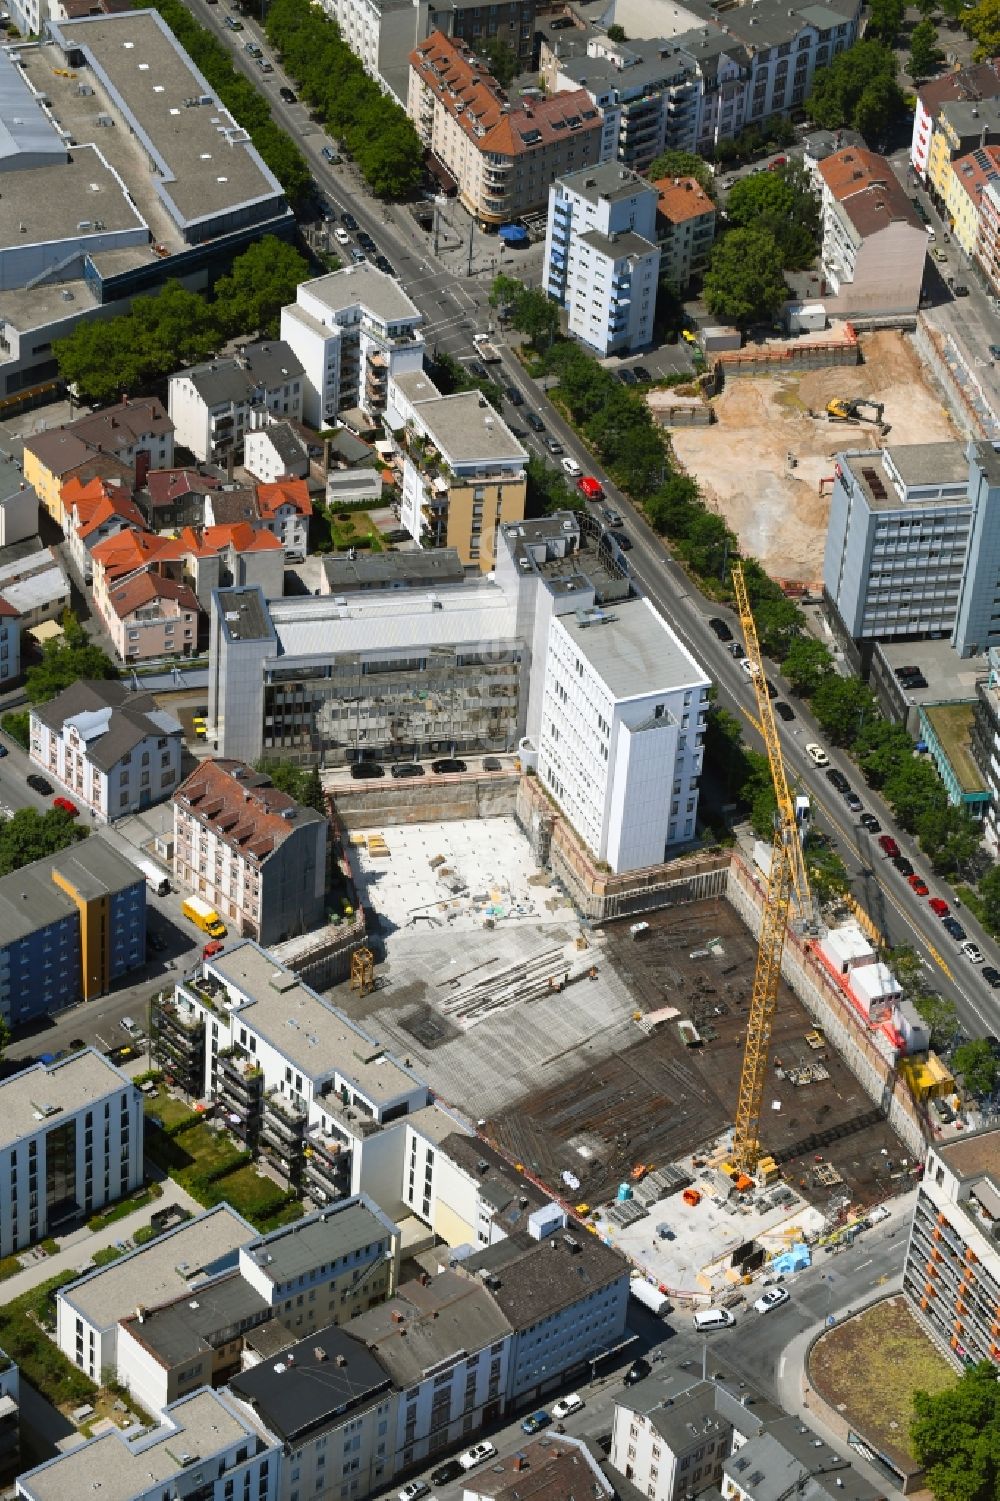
pixel 43 1096
pixel 423 1324
pixel 388 620
pixel 116 1468
pixel 321 1238
pixel 162 1270
pixel 325 1376
pixel 468 430
pixel 51 201
pixel 634 652
pixel 608 180
pixel 439 565
pixel 929 463
pixel 25 128
pixel 306 1029
pixel 205 161
pixel 365 284
pixel 243 614
pixel 178 1331
pixel 617 247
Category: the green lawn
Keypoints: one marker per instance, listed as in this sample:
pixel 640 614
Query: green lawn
pixel 41 1361
pixel 952 724
pixel 118 1211
pixel 170 1112
pixel 250 1195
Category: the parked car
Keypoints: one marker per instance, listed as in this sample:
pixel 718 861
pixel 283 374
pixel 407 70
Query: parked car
pixel 817 754
pixel 514 396
pixel 412 1491
pixel 992 978
pixel 534 422
pixel 329 155
pixel 637 1371
pixel 492 763
pixel 357 256
pixel 954 928
pixel 870 822
pixel 132 1027
pixel 837 779
pixel 253 49
pixel 3 751
pixel 720 628
pixel 446 1473
pixel 39 784
pixel 903 866
pixel 623 539
pixel 341 236
pixel 773 1298
pixel 784 711
pixel 853 802
pixel 287 94
pixel 65 806
pixel 406 769
pixel 772 691
pixel 554 447
pixel 943 1111
pixel 592 489
pixel 939 906
pixel 448 764
pixel 215 946
pixel 363 771
pixel 736 650
pixel 477 1455
pixel 385 265
pixel 571 467
pixel 888 846
pixel 641 373
pixel 918 883
pixel 567 1405
pixel 972 951
pixel 535 1422
pixel 349 222
pixel 626 377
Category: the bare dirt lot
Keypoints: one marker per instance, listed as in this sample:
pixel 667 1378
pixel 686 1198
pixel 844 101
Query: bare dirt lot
pixel 741 461
pixel 658 1099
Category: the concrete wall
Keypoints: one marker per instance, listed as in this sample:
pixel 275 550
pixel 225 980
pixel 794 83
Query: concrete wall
pixel 366 805
pixel 789 357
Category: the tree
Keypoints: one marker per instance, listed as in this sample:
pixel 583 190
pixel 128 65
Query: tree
pixel 881 748
pixel 914 790
pixel 63 663
pixel 616 33
pixel 744 281
pixel 989 895
pixel 839 705
pixel 29 835
pixel 782 203
pixel 926 56
pixel 527 309
pixel 671 508
pixel 827 872
pixel 548 490
pixel 885 17
pixel 261 281
pixel 503 60
pixel 779 620
pixel 806 662
pixel 858 88
pixel 941 1017
pixel 682 164
pixel 313 795
pixel 955 1435
pixel 948 835
pixel 983 25
pixel 17 724
pixel 169 328
pixel 977 1064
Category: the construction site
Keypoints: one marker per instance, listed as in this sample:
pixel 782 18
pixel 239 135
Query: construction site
pixel 778 427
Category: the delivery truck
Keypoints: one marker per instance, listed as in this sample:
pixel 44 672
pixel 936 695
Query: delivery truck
pixel 649 1295
pixel 156 880
pixel 204 916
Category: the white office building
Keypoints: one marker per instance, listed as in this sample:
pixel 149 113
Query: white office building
pixel 622 731
pixel 71 1142
pixel 601 257
pixel 351 330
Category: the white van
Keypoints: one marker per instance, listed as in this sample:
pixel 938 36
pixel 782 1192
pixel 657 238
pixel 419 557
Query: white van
pixel 713 1318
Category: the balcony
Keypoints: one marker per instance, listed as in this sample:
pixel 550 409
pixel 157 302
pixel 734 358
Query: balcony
pixel 327 1166
pixel 240 1081
pixel 283 1125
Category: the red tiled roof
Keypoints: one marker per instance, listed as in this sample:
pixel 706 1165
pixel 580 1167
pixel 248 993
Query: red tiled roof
pixel 284 492
pixel 105 509
pixel 147 586
pixel 974 171
pixel 127 550
pixel 865 184
pixel 167 485
pixel 980 81
pixel 682 198
pixel 244 811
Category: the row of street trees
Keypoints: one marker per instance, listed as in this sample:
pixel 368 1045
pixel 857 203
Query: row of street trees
pixel 174 327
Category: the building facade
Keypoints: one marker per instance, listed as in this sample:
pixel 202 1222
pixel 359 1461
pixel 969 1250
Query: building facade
pixel 972 84
pixel 351 330
pixel 501 157
pixel 951 1276
pixel 212 406
pixel 601 258
pixel 71 1142
pixel 114 750
pixel 970 176
pixel 985 745
pixel 254 853
pixel 10 642
pixel 136 432
pixel 152 617
pixel 18 505
pixel 70 925
pixel 874 245
pixel 685 229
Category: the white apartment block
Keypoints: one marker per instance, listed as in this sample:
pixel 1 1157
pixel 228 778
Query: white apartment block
pixel 622 729
pixel 18 505
pixel 669 1437
pixel 10 642
pixel 71 1142
pixel 351 330
pixel 114 750
pixel 203 1449
pixel 212 406
pixel 601 257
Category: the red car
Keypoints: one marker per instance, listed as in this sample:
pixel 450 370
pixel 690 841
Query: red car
pixel 938 906
pixel 66 806
pixel 888 845
pixel 919 884
pixel 211 949
pixel 590 487
pixel 778 161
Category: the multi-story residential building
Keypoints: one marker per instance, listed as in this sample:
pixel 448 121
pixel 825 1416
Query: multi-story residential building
pixel 541 1471
pixel 601 260
pixel 203 1450
pixel 390 570
pixel 874 245
pixel 276 450
pixel 960 127
pixel 137 433
pixel 286 510
pixel 212 405
pixel 808 1467
pixel 685 229
pixel 445 1343
pixel 10 642
pixel 332 1405
pixel 464 473
pixel 241 553
pixel 564 1296
pixel 319 1271
pixel 973 84
pixel 622 731
pixel 34 584
pixel 71 1142
pixel 294 1073
pixel 911 546
pixel 461 1188
pixel 253 852
pixel 351 330
pixel 502 157
pixel 988 235
pixel 152 616
pixel 10 1417
pixel 111 748
pixel 647 93
pixel 18 504
pixel 70 924
pixel 985 745
pixel 173 498
pixel 970 176
pixel 94 511
pixel 951 1276
pixel 174 1265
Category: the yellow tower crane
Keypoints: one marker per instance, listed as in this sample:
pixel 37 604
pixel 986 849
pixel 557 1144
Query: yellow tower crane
pixel 787 881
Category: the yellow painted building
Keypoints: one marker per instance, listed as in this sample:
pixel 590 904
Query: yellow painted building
pixel 964 190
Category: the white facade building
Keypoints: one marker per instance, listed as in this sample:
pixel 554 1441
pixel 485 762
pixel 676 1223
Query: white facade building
pixel 622 728
pixel 18 505
pixel 71 1142
pixel 113 750
pixel 351 330
pixel 601 257
pixel 212 406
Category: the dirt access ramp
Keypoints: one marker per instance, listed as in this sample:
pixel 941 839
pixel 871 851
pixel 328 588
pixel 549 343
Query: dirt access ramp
pixel 741 462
